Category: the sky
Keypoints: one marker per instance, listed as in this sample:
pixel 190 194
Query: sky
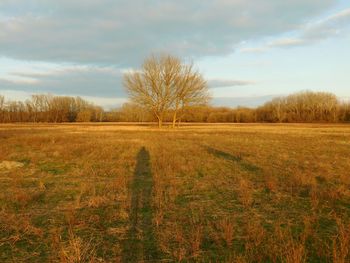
pixel 248 50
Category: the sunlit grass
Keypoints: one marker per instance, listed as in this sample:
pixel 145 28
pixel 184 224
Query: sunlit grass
pixel 268 193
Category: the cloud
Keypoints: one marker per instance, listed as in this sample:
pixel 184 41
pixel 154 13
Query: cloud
pixel 329 27
pixel 253 50
pixel 123 32
pixel 222 83
pixel 287 42
pixel 310 33
pixel 67 80
pixel 82 80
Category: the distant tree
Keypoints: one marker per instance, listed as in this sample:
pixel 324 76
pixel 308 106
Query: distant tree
pixel 2 102
pixel 165 83
pixel 59 109
pixel 134 113
pixel 2 108
pixel 84 116
pixel 299 107
pixel 304 106
pixel 242 114
pixel 344 111
pixel 49 108
pixel 98 114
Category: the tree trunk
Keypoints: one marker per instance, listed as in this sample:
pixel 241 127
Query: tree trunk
pixel 160 123
pixel 178 123
pixel 159 116
pixel 174 118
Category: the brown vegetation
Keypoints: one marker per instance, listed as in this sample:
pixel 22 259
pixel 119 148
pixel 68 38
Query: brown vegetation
pixel 214 193
pixel 301 107
pixel 48 108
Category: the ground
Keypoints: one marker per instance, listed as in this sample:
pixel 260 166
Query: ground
pixel 198 193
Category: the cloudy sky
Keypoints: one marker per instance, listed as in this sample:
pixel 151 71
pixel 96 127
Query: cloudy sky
pixel 248 50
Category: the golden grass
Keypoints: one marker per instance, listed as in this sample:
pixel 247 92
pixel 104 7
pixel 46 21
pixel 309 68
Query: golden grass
pixel 211 193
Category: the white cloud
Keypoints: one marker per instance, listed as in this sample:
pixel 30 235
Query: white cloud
pixel 286 42
pixel 20 80
pixel 253 50
pixel 222 83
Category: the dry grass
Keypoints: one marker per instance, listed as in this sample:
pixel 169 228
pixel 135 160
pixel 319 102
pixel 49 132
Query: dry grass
pixel 210 193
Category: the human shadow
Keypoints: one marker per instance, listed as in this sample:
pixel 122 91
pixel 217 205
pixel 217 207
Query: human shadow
pixel 141 243
pixel 249 167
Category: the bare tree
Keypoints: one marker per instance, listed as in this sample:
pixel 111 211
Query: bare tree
pixel 153 86
pixel 49 108
pixel 84 116
pixel 165 83
pixel 191 90
pixel 40 105
pixel 2 108
pixel 133 113
pixel 2 102
pixel 304 106
pixel 344 111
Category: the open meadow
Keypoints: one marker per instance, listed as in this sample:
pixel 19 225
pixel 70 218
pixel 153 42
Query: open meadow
pixel 198 193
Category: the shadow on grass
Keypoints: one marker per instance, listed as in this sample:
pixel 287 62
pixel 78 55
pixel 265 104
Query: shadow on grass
pixel 237 159
pixel 141 243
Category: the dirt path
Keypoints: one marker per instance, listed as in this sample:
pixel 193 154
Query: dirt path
pixel 141 243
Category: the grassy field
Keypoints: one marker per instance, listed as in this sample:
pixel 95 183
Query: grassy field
pixel 200 193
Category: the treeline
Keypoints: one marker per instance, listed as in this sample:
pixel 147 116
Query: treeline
pixel 49 108
pixel 304 107
pixel 300 107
